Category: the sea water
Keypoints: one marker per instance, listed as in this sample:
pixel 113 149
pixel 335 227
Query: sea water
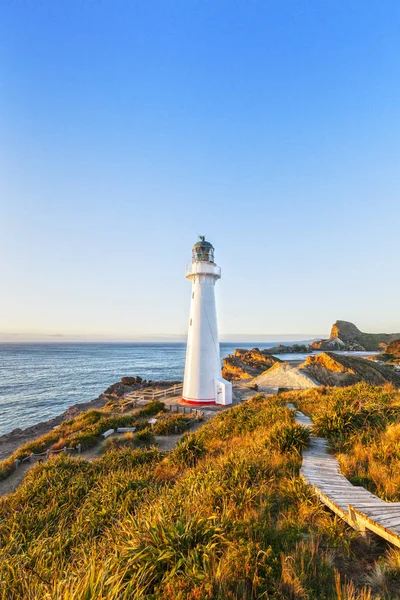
pixel 40 381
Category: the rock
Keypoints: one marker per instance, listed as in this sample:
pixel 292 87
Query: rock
pixel 294 349
pixel 346 331
pixel 339 370
pixel 327 369
pixel 346 336
pixel 239 351
pixel 394 349
pixel 391 354
pixel 116 390
pixel 244 364
pixel 132 380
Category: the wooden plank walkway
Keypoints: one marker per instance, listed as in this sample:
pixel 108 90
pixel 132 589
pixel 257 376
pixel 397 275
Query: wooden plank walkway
pixel 358 507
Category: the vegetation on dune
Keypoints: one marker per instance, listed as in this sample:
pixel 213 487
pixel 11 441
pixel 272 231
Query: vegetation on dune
pixel 362 423
pixel 223 516
pixel 84 429
pixel 172 423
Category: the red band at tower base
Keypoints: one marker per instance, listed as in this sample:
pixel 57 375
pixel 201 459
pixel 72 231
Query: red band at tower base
pixel 192 401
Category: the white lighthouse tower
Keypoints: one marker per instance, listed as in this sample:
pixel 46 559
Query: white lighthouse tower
pixel 203 383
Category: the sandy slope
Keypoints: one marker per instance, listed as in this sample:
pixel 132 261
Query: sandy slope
pixel 283 375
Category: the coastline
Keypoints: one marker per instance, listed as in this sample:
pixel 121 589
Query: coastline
pixel 9 442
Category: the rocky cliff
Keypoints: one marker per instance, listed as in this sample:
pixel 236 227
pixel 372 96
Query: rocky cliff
pixel 346 336
pixel 244 364
pixel 326 368
pixel 391 354
pixel 335 369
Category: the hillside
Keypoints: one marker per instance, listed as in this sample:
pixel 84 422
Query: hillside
pixel 224 516
pixel 329 368
pixel 283 375
pixel 326 368
pixel 346 336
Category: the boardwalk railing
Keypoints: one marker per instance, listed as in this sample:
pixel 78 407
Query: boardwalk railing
pixel 45 455
pixel 134 397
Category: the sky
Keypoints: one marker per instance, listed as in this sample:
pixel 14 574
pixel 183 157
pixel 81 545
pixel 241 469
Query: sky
pixel 128 128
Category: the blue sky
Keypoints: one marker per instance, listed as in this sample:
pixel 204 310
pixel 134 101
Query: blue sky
pixel 128 128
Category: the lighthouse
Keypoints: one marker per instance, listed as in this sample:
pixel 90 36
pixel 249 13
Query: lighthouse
pixel 203 382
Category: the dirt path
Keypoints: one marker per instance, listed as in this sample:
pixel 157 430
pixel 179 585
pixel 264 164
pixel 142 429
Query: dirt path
pixel 9 485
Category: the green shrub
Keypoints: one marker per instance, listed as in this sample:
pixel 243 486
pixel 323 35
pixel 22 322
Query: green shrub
pixel 289 437
pixel 6 467
pixel 152 408
pixel 144 437
pixel 168 424
pixel 188 451
pixel 120 441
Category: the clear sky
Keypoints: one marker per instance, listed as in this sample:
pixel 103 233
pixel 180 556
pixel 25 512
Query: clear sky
pixel 127 128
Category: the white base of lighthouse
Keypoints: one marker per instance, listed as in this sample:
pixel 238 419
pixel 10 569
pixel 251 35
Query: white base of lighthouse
pixel 203 382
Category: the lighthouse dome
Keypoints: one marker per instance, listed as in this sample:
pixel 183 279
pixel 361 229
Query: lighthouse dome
pixel 203 251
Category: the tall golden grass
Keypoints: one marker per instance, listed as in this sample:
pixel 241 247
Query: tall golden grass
pixel 84 429
pixel 362 423
pixel 223 516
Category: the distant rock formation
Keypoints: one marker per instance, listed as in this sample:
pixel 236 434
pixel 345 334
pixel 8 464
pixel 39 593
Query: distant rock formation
pixel 391 354
pixel 394 348
pixel 294 349
pixel 346 336
pixel 327 369
pixel 244 364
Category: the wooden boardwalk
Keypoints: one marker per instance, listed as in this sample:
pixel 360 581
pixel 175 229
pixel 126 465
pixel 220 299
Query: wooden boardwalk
pixel 358 507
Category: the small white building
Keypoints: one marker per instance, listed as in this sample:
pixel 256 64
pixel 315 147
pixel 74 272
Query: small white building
pixel 203 383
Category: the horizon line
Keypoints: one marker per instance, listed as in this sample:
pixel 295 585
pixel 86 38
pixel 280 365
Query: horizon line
pixel 57 339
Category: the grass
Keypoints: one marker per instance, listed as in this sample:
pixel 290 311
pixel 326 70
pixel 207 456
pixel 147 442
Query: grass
pixel 362 423
pixel 223 516
pixel 172 423
pixel 85 429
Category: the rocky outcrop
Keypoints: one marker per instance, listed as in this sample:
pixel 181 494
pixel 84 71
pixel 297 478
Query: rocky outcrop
pixel 244 364
pixel 394 349
pixel 327 369
pixel 131 380
pixel 391 354
pixel 346 336
pixel 336 369
pixel 294 349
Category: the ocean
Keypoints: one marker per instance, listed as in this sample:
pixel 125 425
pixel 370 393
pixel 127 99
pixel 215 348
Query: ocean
pixel 40 381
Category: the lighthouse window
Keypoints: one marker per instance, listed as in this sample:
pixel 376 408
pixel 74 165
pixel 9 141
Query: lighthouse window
pixel 190 321
pixel 193 295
